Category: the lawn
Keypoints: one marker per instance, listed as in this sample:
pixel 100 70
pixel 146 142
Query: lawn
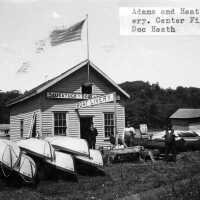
pixel 172 180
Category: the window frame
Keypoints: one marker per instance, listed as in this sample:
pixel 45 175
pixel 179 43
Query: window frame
pixel 66 123
pixel 112 126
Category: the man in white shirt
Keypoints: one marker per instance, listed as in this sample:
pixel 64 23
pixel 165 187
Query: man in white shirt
pixel 128 135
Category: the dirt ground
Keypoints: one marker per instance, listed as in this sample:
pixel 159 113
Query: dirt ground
pixel 123 181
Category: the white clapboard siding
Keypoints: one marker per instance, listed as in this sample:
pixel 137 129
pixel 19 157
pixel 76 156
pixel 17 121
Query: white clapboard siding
pixel 24 111
pixel 74 82
pixel 73 124
pixel 45 107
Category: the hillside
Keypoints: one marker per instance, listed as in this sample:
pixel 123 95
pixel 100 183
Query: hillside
pixel 149 103
pixel 4 98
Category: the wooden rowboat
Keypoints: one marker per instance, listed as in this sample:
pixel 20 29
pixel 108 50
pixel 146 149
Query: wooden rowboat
pixel 9 156
pixel 75 146
pixel 26 168
pixel 38 148
pixel 94 160
pixel 63 162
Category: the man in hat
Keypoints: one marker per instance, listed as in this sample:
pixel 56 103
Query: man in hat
pixel 92 134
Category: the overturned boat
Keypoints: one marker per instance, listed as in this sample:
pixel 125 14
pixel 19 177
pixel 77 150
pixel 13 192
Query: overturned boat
pixel 9 156
pixel 75 146
pixel 38 148
pixel 26 168
pixel 63 162
pixel 95 159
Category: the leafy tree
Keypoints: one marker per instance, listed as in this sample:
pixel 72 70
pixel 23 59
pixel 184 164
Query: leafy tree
pixel 151 104
pixel 5 97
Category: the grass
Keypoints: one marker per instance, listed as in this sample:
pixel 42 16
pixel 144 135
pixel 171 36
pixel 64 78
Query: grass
pixel 120 180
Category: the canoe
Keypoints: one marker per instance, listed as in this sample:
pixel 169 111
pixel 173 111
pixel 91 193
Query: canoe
pixel 9 153
pixel 72 145
pixel 38 148
pixel 26 168
pixel 95 158
pixel 63 162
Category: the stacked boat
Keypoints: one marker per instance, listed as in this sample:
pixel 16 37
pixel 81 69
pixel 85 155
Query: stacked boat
pixel 78 149
pixel 15 163
pixel 27 158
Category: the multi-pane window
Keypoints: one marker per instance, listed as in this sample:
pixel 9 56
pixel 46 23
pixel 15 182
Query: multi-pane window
pixel 21 128
pixel 109 124
pixel 60 125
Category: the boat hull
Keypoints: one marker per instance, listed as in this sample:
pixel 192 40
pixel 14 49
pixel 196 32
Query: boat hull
pixel 95 159
pixel 37 148
pixel 63 162
pixel 26 168
pixel 74 146
pixel 9 156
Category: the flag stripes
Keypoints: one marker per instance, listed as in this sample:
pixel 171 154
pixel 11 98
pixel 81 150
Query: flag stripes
pixel 70 34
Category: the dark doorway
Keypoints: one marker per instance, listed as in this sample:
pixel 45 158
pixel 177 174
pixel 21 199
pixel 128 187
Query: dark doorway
pixel 84 126
pixel 34 133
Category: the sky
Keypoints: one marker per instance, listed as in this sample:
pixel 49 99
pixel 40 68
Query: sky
pixel 170 61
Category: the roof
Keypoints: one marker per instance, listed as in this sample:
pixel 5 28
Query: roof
pixel 186 113
pixel 4 126
pixel 49 83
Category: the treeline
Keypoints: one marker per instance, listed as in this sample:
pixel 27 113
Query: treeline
pixel 5 97
pixel 151 104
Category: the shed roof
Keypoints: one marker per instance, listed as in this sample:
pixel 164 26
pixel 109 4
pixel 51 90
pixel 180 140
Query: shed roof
pixel 58 78
pixel 186 113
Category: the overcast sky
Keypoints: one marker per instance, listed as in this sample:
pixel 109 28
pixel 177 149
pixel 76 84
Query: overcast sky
pixel 169 60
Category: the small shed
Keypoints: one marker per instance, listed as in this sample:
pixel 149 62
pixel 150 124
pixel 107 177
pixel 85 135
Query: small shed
pixel 4 130
pixel 68 103
pixel 186 119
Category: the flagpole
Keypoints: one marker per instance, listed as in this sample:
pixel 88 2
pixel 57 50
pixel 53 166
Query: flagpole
pixel 88 53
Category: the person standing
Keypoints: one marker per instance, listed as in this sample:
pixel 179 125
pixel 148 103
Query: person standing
pixel 128 135
pixel 92 134
pixel 170 143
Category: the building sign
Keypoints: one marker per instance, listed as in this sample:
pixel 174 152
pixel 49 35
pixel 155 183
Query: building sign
pixel 95 101
pixel 67 95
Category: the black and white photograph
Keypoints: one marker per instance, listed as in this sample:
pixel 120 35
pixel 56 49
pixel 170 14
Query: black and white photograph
pixel 99 100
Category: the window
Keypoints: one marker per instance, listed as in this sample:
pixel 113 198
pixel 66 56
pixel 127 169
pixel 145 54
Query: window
pixel 60 125
pixel 108 124
pixel 87 88
pixel 21 128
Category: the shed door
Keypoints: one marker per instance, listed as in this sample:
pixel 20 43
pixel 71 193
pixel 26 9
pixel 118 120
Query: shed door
pixel 84 126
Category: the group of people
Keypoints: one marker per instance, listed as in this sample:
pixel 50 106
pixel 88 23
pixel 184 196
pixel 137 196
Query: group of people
pixel 127 139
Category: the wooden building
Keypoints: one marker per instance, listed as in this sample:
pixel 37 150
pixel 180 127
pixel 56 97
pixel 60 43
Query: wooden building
pixel 186 119
pixel 66 105
pixel 4 130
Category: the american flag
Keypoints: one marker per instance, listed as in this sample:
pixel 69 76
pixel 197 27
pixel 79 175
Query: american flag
pixel 24 67
pixel 70 34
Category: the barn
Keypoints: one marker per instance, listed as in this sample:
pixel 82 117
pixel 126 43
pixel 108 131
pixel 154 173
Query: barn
pixel 186 119
pixel 68 103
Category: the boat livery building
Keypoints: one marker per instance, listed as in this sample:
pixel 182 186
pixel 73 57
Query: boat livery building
pixel 68 103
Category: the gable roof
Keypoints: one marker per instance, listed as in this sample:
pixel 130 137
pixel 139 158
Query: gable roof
pixel 42 87
pixel 186 113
